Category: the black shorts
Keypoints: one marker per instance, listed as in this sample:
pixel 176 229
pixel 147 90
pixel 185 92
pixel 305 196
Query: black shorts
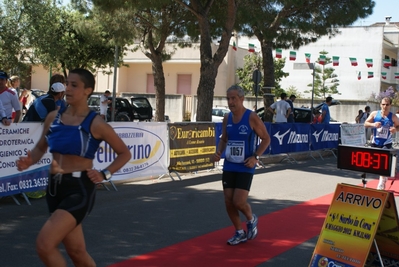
pixel 241 180
pixel 73 194
pixel 386 146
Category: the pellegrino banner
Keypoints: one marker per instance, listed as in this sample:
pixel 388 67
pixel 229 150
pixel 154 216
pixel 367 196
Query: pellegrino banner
pixel 146 141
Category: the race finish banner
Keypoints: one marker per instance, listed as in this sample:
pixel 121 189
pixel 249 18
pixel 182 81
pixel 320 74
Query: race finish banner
pixel 350 227
pixel 192 146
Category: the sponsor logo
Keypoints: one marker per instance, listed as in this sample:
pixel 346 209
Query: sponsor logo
pixel 317 135
pixel 243 129
pixel 280 137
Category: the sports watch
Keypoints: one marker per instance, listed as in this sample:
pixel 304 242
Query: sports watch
pixel 256 156
pixel 107 174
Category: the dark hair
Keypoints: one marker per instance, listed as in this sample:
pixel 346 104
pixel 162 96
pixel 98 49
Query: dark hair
pixel 328 99
pixel 107 92
pixel 292 96
pixel 87 78
pixel 367 108
pixel 283 95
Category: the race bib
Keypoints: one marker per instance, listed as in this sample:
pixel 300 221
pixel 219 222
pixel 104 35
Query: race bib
pixel 382 132
pixel 235 151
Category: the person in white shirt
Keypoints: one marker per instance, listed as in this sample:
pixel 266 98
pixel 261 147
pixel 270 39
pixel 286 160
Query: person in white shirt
pixel 9 98
pixel 282 108
pixel 104 101
pixel 4 119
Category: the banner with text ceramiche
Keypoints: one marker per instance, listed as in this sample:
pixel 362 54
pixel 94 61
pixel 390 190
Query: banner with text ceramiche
pixel 350 227
pixel 192 146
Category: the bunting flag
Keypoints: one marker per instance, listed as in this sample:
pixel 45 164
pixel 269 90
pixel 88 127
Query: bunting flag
pixel 279 53
pixel 387 63
pixel 234 46
pixel 370 74
pixel 251 48
pixel 292 55
pixel 397 75
pixel 353 61
pixel 359 75
pixel 369 62
pixel 322 59
pixel 307 56
pixel 335 61
pixel 384 75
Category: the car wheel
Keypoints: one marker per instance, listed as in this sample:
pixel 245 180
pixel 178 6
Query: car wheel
pixel 123 116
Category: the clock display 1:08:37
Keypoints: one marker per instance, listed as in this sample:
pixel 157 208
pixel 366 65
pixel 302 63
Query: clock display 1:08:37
pixel 369 160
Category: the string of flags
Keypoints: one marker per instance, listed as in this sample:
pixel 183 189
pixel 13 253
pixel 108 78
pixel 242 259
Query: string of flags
pixel 335 61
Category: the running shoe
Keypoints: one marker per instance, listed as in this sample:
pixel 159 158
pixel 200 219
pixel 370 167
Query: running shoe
pixel 252 227
pixel 237 238
pixel 381 183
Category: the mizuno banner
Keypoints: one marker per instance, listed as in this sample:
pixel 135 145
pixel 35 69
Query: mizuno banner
pixel 289 137
pixel 324 136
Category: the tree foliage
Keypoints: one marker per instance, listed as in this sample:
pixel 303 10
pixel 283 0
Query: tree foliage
pixel 325 80
pixel 253 62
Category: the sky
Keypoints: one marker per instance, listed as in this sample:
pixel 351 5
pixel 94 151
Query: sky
pixel 382 9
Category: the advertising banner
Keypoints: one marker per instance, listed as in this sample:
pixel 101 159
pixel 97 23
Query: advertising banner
pixel 192 146
pixel 350 227
pixel 353 134
pixel 289 137
pixel 324 136
pixel 146 141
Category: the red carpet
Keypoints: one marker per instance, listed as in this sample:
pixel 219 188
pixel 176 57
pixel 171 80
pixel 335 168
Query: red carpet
pixel 278 232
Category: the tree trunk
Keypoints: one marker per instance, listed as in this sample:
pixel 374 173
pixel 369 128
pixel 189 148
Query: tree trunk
pixel 268 79
pixel 159 84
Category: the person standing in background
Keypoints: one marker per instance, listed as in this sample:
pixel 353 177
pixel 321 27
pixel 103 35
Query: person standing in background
pixel 325 111
pixel 282 109
pixel 241 130
pixel 9 99
pixel 384 124
pixel 104 101
pixel 59 78
pixel 290 101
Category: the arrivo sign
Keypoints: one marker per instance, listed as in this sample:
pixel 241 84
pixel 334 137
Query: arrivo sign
pixel 367 159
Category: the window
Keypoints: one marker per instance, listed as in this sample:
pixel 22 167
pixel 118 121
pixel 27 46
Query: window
pixel 150 84
pixel 184 84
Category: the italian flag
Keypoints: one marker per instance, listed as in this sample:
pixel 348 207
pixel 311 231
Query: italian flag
pixel 335 61
pixel 251 48
pixel 322 59
pixel 279 53
pixel 234 46
pixel 353 61
pixel 387 62
pixel 307 57
pixel 370 74
pixel 369 62
pixel 359 75
pixel 384 75
pixel 292 55
pixel 396 75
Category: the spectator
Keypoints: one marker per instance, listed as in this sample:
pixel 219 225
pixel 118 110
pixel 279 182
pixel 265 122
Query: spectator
pixel 45 103
pixel 282 109
pixel 104 101
pixel 290 101
pixel 9 98
pixel 316 116
pixel 359 115
pixel 4 119
pixel 325 115
pixel 59 78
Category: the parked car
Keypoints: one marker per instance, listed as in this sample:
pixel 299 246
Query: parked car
pixel 301 115
pixel 139 108
pixel 217 114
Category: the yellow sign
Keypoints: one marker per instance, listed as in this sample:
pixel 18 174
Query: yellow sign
pixel 350 227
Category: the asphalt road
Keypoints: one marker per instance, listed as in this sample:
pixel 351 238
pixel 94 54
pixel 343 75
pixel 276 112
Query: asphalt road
pixel 145 216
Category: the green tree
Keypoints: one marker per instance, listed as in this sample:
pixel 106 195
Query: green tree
pixel 293 23
pixel 325 80
pixel 252 62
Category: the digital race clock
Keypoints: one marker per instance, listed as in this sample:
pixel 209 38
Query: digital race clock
pixel 367 159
